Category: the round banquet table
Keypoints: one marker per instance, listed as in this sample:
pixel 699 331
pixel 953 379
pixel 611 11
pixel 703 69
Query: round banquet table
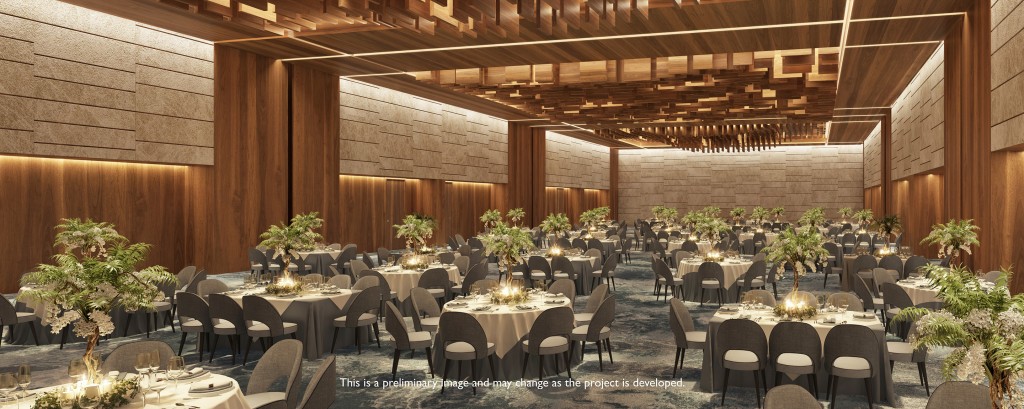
pixel 22 334
pixel 703 246
pixel 314 313
pixel 504 325
pixel 319 260
pixel 403 281
pixel 848 260
pixel 230 398
pixel 734 270
pixel 769 237
pixel 920 290
pixel 584 267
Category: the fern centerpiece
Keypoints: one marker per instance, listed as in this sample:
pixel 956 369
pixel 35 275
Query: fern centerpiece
pixel 508 244
pixel 984 326
pixel 845 213
pixel 812 217
pixel 953 237
pixel 299 235
pixel 593 217
pixel 737 214
pixel 888 226
pixel 710 228
pixel 778 212
pixel 864 217
pixel 803 248
pixel 760 214
pixel 556 224
pixel 516 215
pixel 94 272
pixel 415 229
pixel 490 218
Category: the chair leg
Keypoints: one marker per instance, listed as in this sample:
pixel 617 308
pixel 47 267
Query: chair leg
pixel 568 368
pixel 376 333
pixel 473 367
pixel 494 366
pixel 725 385
pixel 526 360
pixel 812 379
pixel 835 389
pixel 608 345
pixel 248 344
pixel 181 347
pixel 169 318
pixel 600 357
pixel 540 367
pixel 32 326
pixel 216 339
pixel 675 363
pixel 924 376
pixel 867 387
pixel 394 363
pixel 757 389
pixel 702 296
pixel 335 341
pixel 64 337
pixel 444 377
pixel 127 323
pixel 430 362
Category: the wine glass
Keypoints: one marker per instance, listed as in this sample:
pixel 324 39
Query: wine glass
pixel 142 363
pixel 76 369
pixel 176 368
pixel 8 384
pixel 24 378
pixel 844 307
pixel 157 384
pixel 90 397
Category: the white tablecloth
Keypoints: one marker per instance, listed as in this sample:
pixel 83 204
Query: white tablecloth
pixel 403 281
pixel 505 324
pixel 231 398
pixel 733 269
pixel 769 237
pixel 703 246
pixel 281 304
pixel 920 291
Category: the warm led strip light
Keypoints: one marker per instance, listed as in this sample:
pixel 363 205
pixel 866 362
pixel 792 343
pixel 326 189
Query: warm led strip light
pixel 894 44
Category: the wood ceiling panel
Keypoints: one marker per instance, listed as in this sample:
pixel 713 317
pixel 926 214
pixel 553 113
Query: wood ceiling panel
pixel 875 76
pixel 900 31
pixel 886 8
pixel 851 132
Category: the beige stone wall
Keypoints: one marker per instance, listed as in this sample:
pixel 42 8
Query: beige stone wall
pixel 570 162
pixel 82 84
pixel 873 158
pixel 796 177
pixel 392 134
pixel 917 121
pixel 1007 66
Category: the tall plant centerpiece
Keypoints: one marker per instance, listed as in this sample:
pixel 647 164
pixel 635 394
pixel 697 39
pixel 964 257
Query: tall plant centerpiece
pixel 710 228
pixel 802 247
pixel 415 229
pixel 711 211
pixel 864 217
pixel 508 244
pixel 737 214
pixel 557 224
pixel 94 272
pixel 490 218
pixel 692 217
pixel 889 225
pixel 760 214
pixel 664 213
pixel 984 326
pixel 845 213
pixel 299 235
pixel 813 217
pixel 593 217
pixel 516 215
pixel 778 212
pixel 953 237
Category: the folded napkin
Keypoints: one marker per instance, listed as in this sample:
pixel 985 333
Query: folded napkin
pixel 212 386
pixel 193 373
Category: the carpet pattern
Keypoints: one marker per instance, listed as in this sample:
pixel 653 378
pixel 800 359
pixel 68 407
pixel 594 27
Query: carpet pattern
pixel 643 350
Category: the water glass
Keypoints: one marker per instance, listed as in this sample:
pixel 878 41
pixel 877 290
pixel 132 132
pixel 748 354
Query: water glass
pixel 24 378
pixel 176 368
pixel 142 363
pixel 843 308
pixel 8 384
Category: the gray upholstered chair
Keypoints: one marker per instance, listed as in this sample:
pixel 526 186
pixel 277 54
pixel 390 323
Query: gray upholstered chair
pixel 754 277
pixel 194 318
pixel 960 395
pixel 594 301
pixel 860 287
pixel 795 349
pixel 790 397
pixel 894 263
pixel 368 260
pixel 383 286
pixel 462 263
pixel 562 267
pixel 427 313
pixel 864 266
pixel 606 273
pixel 122 358
pixel 228 320
pixel 741 346
pixel 436 281
pixel 211 286
pixel 465 340
pixel 265 323
pixel 598 331
pixel 283 361
pixel 358 266
pixel 406 340
pixel 475 274
pixel 835 265
pixel 905 352
pixel 446 258
pixel 765 297
pixel 365 282
pixel 896 299
pixel 360 314
pixel 322 389
pixel 539 268
pixel 185 275
pixel 852 301
pixel 912 265
pixel 851 351
pixel 341 281
pixel 485 286
pixel 549 335
pixel 9 317
pixel 881 276
pixel 565 287
pixel 665 278
pixel 992 276
pixel 686 336
pixel 383 256
pixel 712 277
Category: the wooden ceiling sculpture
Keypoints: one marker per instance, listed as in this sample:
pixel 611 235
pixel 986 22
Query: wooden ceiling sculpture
pixel 472 18
pixel 683 101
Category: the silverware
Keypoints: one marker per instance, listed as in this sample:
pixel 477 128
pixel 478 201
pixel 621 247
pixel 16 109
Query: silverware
pixel 184 405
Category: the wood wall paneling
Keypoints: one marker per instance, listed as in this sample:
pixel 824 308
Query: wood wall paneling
pixel 314 146
pixel 1006 202
pixel 143 201
pixel 918 202
pixel 873 199
pixel 526 171
pixel 613 183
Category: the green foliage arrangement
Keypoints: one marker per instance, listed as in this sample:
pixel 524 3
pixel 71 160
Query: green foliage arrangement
pixel 557 224
pixel 508 244
pixel 889 225
pixel 299 235
pixel 760 214
pixel 121 393
pixel 812 217
pixel 778 212
pixel 516 215
pixel 953 237
pixel 415 229
pixel 845 213
pixel 864 217
pixel 802 247
pixel 490 218
pixel 738 213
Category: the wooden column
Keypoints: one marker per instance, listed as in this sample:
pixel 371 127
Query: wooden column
pixel 314 146
pixel 968 178
pixel 886 152
pixel 613 182
pixel 526 177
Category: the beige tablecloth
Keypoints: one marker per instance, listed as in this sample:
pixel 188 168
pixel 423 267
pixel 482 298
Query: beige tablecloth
pixel 314 314
pixel 920 291
pixel 231 398
pixel 769 237
pixel 733 270
pixel 506 324
pixel 703 246
pixel 403 281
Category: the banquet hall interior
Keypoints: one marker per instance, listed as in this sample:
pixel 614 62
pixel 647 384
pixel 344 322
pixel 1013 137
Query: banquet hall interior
pixel 511 203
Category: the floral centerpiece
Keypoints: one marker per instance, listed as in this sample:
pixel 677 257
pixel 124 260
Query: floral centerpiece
pixel 415 229
pixel 864 217
pixel 509 295
pixel 94 272
pixel 658 212
pixel 710 228
pixel 666 214
pixel 516 215
pixel 760 214
pixel 737 214
pixel 888 226
pixel 812 217
pixel 711 211
pixel 556 223
pixel 299 235
pixel 778 212
pixel 490 218
pixel 413 261
pixel 120 394
pixel 985 328
pixel 286 285
pixel 691 218
pixel 845 213
pixel 508 244
pixel 802 247
pixel 593 217
pixel 953 237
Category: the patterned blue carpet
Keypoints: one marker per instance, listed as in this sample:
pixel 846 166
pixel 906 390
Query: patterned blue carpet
pixel 643 347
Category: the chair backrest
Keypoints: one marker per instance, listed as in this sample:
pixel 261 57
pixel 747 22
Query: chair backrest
pixel 561 264
pixel 833 250
pixel 912 264
pixel 368 260
pixel 486 285
pixel 477 273
pixel 385 287
pixel 193 284
pixel 757 269
pixel 539 266
pixel 678 255
pixel 462 263
pixel 552 322
pixel 459 239
pixel 225 308
pixel 334 246
pixel 851 300
pixel 882 276
pixel 424 303
pixel 580 244
pixel 475 243
pixel 861 289
pixel 864 262
pixel 563 243
pixel 790 397
pixel 358 266
pixel 662 270
pixel 602 318
pixel 747 246
pixel 595 244
pixel 565 287
pixel 341 281
pixel 609 266
pixel 256 308
pixel 892 262
pixel 852 340
pixel 597 254
pixel 960 395
pixel 282 361
pixel 211 286
pixel 795 337
pixel 462 327
pixel 322 389
pixel 185 275
pixel 394 321
pixel 8 313
pixel 895 296
pixel 435 278
pixel 193 306
pixel 690 246
pixel 745 335
pixel 992 276
pixel 383 255
pixel 365 282
pixel 122 358
pixel 765 297
pixel 452 243
pixel 446 258
pixel 366 301
pixel 679 320
pixel 709 270
pixel 597 296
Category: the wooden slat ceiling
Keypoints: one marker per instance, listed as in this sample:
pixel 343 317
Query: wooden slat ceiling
pixel 380 41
